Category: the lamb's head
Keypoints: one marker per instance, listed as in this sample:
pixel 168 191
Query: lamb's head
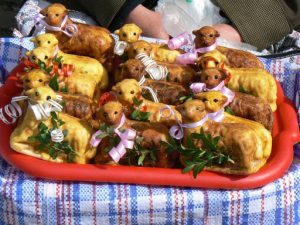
pixel 126 90
pixel 35 78
pixel 192 111
pixel 129 32
pixel 46 40
pixel 213 100
pixel 110 113
pixel 54 14
pixel 41 94
pixel 138 47
pixel 39 54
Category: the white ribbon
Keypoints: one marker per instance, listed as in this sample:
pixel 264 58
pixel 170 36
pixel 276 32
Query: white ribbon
pixel 120 47
pixel 69 30
pixel 153 94
pixel 13 111
pixel 57 135
pixel 155 71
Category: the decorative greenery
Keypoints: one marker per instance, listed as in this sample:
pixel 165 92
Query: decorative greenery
pixel 53 83
pixel 43 139
pixel 136 113
pixel 188 97
pixel 58 60
pixel 138 155
pixel 197 158
pixel 242 90
pixel 113 138
pixel 43 66
pixel 229 110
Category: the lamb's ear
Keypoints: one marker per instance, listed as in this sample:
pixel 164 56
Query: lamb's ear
pixel 44 11
pixel 33 40
pixel 28 53
pixel 217 34
pixel 195 32
pixel 117 32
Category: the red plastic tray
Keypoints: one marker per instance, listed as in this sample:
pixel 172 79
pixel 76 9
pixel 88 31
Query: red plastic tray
pixel 285 133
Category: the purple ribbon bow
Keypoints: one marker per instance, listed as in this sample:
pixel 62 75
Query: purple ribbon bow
pixel 69 30
pixel 127 141
pixel 201 87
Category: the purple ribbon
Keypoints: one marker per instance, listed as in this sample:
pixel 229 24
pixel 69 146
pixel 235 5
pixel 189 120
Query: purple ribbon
pixel 176 131
pixel 179 41
pixel 127 141
pixel 69 30
pixel 201 87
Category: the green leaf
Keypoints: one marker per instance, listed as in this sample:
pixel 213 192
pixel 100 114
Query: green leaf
pixel 54 83
pixel 229 110
pixel 65 133
pixel 42 127
pixel 102 135
pixel 198 168
pixel 142 157
pixel 241 89
pixel 188 168
pixel 64 89
pixel 134 114
pixel 32 139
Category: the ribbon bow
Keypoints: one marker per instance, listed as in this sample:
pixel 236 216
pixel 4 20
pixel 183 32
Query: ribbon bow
pixel 201 87
pixel 69 29
pixel 13 111
pixel 66 70
pixel 127 141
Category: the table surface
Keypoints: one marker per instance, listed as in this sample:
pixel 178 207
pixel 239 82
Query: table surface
pixel 30 200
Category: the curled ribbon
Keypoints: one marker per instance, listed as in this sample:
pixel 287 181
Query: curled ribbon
pixel 127 141
pixel 201 87
pixel 42 111
pixel 120 47
pixel 69 29
pixel 155 71
pixel 151 91
pixel 57 135
pixel 13 111
pixel 180 40
pixel 176 131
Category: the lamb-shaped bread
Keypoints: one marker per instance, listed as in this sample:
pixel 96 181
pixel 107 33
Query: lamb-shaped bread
pixel 254 81
pixel 128 89
pixel 206 36
pixel 151 134
pixel 157 52
pixel 82 64
pixel 92 41
pixel 243 105
pixel 129 32
pixel 135 69
pixel 79 132
pixel 214 101
pixel 34 78
pixel 240 141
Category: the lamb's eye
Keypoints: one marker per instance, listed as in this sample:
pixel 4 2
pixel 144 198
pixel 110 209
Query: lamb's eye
pixel 197 108
pixel 46 57
pixel 36 93
pixel 132 92
pixel 211 35
pixel 136 69
pixel 206 78
pixel 105 114
pixel 205 99
pixel 216 77
pixel 46 14
pixel 124 35
pixel 27 80
pixel 49 42
pixel 116 112
pixel 33 57
pixel 134 34
pixel 39 42
pixel 120 93
pixel 48 97
pixel 57 14
pixel 145 49
pixel 40 80
pixel 216 100
pixel 134 51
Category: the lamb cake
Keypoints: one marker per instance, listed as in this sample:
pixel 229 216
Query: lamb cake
pixel 150 109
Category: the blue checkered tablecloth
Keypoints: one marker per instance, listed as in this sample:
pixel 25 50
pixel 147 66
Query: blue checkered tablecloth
pixel 29 200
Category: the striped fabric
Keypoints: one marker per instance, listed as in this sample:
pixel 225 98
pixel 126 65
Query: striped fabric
pixel 30 200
